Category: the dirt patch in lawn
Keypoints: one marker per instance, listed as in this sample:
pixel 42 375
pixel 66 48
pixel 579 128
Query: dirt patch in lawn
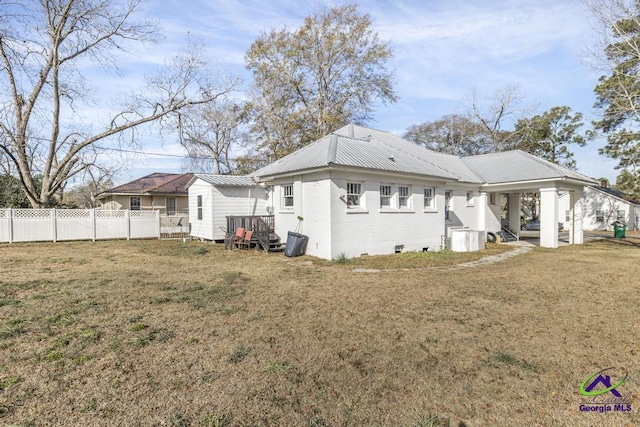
pixel 187 334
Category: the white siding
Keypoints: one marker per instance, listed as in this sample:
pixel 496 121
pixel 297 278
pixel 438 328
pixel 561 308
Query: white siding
pixel 235 201
pixel 202 228
pixel 594 201
pixel 218 202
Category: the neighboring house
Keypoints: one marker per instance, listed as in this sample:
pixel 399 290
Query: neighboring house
pixel 214 197
pixel 165 192
pixel 602 206
pixel 363 191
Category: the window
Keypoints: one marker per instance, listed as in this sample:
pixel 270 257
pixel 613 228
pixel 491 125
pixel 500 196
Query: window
pixel 404 197
pixel 199 207
pixel 287 196
pixel 599 215
pixel 492 198
pixel 622 216
pixel 567 216
pixel 134 203
pixel 385 196
pixel 429 194
pixel 354 191
pixel 469 197
pixel 171 206
pixel 447 203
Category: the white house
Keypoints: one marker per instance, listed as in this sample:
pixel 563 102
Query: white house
pixel 214 197
pixel 601 207
pixel 364 191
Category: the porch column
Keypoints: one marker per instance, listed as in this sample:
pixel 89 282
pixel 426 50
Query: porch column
pixel 482 212
pixel 514 212
pixel 576 233
pixel 549 217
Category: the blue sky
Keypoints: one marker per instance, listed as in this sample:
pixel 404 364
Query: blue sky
pixel 443 51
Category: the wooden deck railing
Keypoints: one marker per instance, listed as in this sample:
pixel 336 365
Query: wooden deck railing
pixel 261 225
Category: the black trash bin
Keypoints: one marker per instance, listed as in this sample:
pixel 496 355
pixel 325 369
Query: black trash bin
pixel 296 244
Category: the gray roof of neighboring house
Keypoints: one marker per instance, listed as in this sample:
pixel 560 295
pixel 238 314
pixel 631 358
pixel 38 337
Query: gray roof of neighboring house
pixel 512 166
pixel 156 183
pixel 361 147
pixel 224 180
pixel 615 193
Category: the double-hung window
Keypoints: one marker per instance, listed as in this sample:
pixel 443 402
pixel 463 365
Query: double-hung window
pixel 385 196
pixel 199 207
pixel 447 203
pixel 354 192
pixel 287 196
pixel 404 197
pixel 429 198
pixel 621 216
pixel 599 215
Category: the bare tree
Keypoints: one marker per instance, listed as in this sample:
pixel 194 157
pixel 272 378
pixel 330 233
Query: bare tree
pixel 455 134
pixel 43 131
pixel 496 112
pixel 210 132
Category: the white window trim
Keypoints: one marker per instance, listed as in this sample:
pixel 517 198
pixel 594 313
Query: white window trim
pixel 409 197
pixel 391 206
pixel 283 197
pixel 361 207
pixel 470 202
pixel 432 207
pixel 199 208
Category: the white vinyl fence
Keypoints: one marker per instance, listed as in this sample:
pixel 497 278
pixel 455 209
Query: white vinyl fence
pixel 32 225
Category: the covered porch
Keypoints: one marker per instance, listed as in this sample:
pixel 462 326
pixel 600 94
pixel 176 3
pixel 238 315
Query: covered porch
pixel 548 213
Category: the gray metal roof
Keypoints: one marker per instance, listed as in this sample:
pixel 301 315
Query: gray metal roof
pixel 224 180
pixel 361 147
pixel 517 165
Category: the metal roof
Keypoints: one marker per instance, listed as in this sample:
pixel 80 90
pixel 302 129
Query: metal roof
pixel 517 165
pixel 361 147
pixel 224 180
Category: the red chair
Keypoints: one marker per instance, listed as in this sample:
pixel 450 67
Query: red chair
pixel 245 242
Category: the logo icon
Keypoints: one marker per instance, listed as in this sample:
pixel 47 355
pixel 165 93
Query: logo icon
pixel 605 380
pixel 596 389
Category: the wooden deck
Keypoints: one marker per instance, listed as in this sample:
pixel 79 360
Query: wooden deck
pixel 264 236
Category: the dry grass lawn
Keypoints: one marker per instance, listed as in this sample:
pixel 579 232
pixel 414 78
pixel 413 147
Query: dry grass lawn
pixel 165 333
